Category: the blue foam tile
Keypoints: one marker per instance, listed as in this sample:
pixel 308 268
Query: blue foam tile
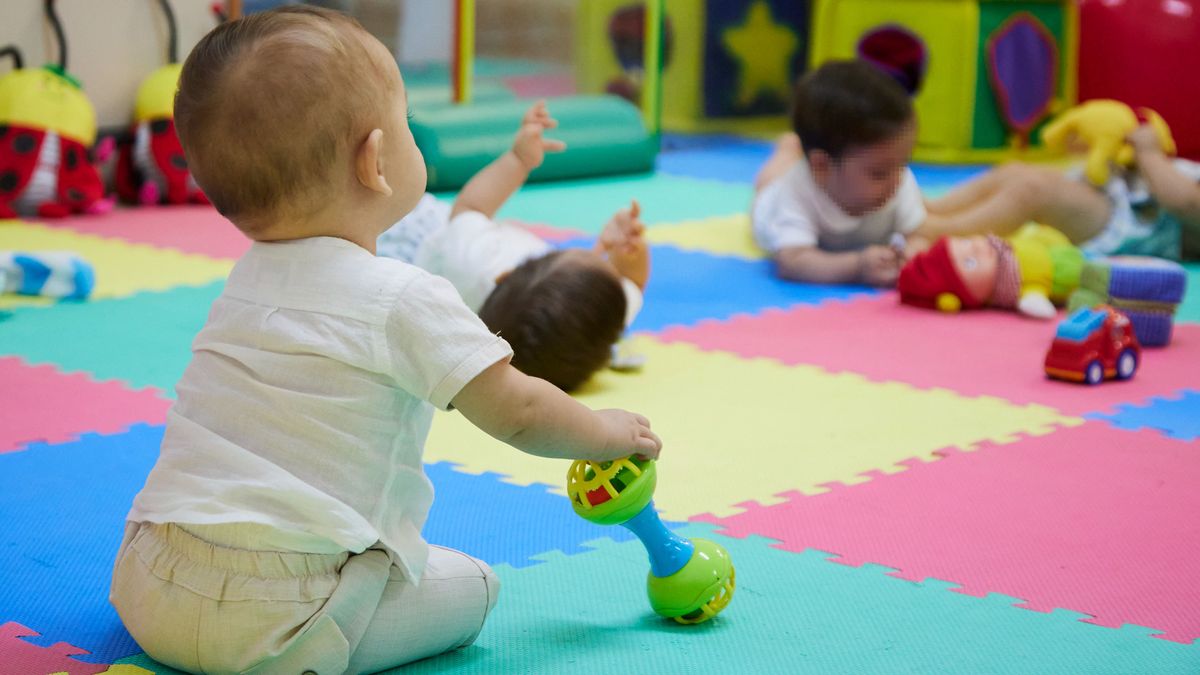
pixel 501 523
pixel 735 163
pixel 675 142
pixel 1176 417
pixel 687 287
pixel 64 510
pixel 142 340
pixel 937 179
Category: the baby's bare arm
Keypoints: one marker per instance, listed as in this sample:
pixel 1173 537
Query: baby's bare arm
pixel 874 265
pixel 1174 191
pixel 536 417
pixel 487 190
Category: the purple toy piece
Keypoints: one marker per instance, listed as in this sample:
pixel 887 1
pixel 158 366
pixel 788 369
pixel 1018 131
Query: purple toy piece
pixel 1023 64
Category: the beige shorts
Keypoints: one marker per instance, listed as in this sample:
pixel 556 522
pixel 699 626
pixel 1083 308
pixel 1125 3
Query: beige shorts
pixel 204 608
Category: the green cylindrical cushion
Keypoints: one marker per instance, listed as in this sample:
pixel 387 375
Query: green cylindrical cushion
pixel 604 135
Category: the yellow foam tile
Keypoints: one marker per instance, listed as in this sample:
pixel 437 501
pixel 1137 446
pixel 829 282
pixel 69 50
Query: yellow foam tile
pixel 722 235
pixel 122 268
pixel 735 430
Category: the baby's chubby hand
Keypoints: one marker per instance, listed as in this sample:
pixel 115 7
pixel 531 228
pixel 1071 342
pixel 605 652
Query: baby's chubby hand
pixel 879 266
pixel 530 146
pixel 624 231
pixel 628 434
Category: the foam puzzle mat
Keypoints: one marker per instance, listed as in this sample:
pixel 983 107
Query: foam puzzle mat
pixel 901 492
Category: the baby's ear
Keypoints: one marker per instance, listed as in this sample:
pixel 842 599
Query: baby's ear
pixel 368 164
pixel 819 161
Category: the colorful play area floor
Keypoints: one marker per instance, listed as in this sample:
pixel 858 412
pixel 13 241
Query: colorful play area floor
pixel 900 491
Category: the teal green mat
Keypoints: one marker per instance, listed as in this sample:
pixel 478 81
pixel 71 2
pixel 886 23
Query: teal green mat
pixel 586 205
pixel 1190 309
pixel 142 340
pixel 791 614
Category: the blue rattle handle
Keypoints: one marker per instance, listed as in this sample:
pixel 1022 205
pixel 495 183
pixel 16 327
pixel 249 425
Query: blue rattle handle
pixel 668 551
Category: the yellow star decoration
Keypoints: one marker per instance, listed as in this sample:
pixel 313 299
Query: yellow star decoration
pixel 764 50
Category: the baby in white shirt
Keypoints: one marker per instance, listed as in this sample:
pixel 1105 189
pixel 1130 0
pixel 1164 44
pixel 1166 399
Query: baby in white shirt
pixel 836 202
pixel 561 311
pixel 280 529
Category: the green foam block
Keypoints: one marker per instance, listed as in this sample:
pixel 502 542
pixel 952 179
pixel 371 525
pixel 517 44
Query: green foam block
pixel 604 136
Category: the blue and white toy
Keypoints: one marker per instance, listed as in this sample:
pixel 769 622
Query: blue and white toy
pixel 51 274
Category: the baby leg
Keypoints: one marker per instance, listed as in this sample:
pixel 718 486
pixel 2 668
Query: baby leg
pixel 1023 193
pixel 446 611
pixel 787 151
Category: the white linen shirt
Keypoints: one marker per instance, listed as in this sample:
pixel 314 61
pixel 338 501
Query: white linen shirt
pixel 793 210
pixel 307 401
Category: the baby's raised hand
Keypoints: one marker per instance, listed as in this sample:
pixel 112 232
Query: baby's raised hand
pixel 1144 139
pixel 625 230
pixel 530 146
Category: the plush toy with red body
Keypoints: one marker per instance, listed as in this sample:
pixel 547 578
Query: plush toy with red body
pixel 47 128
pixel 151 168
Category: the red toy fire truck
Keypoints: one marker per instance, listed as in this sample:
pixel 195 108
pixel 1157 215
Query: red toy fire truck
pixel 1094 344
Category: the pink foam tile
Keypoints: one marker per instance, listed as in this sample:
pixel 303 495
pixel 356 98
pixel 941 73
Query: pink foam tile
pixel 19 656
pixel 552 234
pixel 542 85
pixel 1088 519
pixel 979 353
pixel 191 229
pixel 40 403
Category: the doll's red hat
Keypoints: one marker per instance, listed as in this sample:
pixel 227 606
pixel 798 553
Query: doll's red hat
pixel 930 280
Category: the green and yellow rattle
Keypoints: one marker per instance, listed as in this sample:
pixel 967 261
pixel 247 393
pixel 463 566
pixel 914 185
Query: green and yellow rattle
pixel 690 581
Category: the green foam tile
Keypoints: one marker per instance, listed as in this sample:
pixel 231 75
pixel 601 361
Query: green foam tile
pixel 791 613
pixel 588 204
pixel 142 340
pixel 1190 309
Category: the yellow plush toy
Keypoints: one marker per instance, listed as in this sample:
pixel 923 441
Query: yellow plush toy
pixel 1102 126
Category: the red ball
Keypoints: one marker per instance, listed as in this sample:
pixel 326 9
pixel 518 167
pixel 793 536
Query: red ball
pixel 1144 53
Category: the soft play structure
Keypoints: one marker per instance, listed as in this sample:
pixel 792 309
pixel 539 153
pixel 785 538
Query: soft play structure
pixel 604 134
pixel 996 70
pixel 726 64
pixel 1145 54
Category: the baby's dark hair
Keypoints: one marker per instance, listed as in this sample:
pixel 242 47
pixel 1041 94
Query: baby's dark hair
pixel 561 318
pixel 844 104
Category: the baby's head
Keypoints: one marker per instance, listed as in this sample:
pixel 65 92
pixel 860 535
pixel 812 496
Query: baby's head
pixel 858 129
pixel 561 313
pixel 291 117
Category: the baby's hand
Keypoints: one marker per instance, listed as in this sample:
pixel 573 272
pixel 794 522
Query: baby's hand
pixel 624 231
pixel 879 266
pixel 628 434
pixel 1144 139
pixel 529 145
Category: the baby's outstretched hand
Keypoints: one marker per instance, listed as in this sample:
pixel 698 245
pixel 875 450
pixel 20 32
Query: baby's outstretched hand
pixel 624 230
pixel 530 146
pixel 628 434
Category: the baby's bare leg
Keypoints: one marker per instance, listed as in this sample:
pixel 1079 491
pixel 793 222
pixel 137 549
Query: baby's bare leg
pixel 976 190
pixel 1028 193
pixel 787 151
